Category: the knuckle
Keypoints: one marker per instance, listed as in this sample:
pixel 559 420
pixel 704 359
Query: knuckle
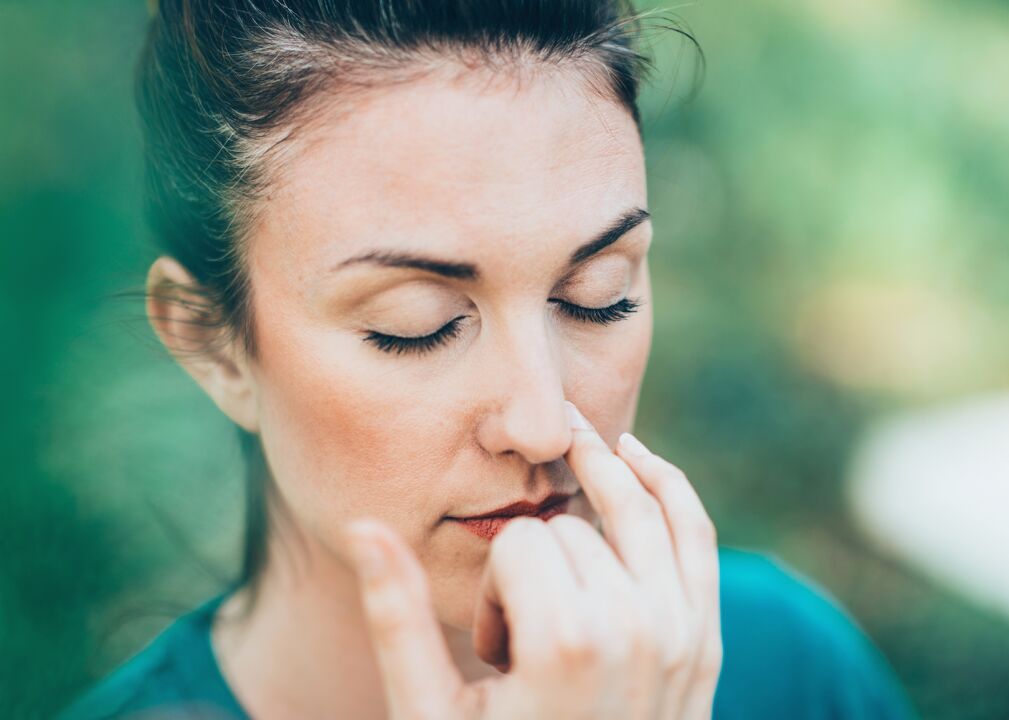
pixel 665 489
pixel 675 483
pixel 647 646
pixel 710 663
pixel 644 640
pixel 670 485
pixel 575 649
pixel 671 469
pixel 676 662
pixel 704 531
pixel 577 654
pixel 390 617
pixel 649 505
pixel 678 655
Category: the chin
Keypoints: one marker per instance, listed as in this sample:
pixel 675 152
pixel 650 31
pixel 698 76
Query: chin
pixel 455 601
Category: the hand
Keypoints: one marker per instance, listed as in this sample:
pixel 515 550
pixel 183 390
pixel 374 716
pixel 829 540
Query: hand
pixel 625 626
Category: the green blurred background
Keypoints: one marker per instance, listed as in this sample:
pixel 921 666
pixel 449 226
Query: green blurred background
pixel 843 160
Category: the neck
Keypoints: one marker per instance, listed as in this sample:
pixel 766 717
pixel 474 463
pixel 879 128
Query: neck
pixel 299 647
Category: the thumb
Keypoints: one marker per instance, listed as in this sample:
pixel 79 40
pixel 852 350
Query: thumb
pixel 418 674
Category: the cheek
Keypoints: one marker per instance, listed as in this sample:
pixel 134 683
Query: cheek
pixel 345 436
pixel 609 374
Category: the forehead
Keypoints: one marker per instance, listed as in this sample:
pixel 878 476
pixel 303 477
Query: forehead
pixel 466 165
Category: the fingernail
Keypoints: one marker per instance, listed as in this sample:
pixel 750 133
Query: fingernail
pixel 369 557
pixel 632 445
pixel 576 419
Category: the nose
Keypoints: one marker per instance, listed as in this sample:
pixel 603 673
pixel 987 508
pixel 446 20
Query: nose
pixel 527 416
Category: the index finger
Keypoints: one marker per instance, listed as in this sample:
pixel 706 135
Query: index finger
pixel 633 519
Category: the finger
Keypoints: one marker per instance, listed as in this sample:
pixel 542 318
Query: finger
pixel 693 698
pixel 632 517
pixel 694 538
pixel 705 674
pixel 625 617
pixel 696 549
pixel 419 677
pixel 593 560
pixel 613 599
pixel 528 582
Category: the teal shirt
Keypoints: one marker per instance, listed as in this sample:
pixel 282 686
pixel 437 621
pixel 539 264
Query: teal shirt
pixel 789 651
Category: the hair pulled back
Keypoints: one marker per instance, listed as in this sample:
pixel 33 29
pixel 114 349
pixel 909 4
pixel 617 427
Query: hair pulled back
pixel 222 86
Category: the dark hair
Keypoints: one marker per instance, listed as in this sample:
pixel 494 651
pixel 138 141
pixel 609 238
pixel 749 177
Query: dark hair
pixel 223 85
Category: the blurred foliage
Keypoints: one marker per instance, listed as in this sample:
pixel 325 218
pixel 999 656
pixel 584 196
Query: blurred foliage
pixel 830 247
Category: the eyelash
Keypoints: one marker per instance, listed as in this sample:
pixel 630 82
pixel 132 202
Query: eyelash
pixel 620 310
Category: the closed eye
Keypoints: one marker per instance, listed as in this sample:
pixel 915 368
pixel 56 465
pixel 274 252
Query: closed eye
pixel 424 343
pixel 399 345
pixel 605 315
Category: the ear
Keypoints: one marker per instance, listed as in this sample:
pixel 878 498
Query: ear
pixel 188 327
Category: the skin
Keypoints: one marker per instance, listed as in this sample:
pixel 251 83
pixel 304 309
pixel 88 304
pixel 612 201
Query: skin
pixel 511 177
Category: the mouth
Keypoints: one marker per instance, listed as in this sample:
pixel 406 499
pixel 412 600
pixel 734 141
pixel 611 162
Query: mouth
pixel 488 525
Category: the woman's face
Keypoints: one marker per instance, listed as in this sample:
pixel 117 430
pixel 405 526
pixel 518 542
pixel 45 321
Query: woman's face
pixel 497 187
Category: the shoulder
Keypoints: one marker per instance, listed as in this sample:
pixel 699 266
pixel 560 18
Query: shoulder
pixel 788 643
pixel 131 686
pixel 174 675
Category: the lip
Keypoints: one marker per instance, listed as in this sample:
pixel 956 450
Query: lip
pixel 522 507
pixel 488 525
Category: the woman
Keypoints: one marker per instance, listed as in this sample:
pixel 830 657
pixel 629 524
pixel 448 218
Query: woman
pixel 405 244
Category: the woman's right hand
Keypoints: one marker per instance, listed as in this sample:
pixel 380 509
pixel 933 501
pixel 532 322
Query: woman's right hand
pixel 625 626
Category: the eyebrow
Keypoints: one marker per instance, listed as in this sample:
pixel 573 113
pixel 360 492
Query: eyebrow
pixel 468 271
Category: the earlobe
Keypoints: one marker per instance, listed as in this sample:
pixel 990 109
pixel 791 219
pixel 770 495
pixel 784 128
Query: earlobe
pixel 190 328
